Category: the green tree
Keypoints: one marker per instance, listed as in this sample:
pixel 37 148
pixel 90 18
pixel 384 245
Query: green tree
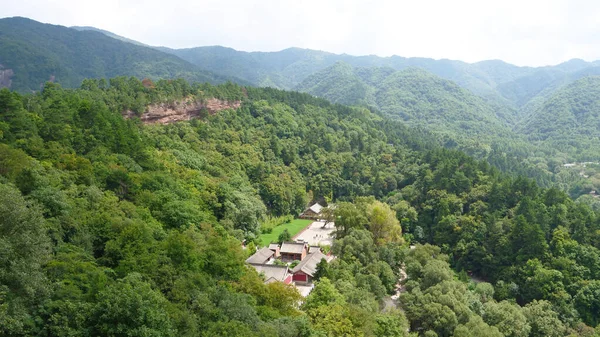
pixel 383 224
pixel 347 217
pixel 507 317
pixel 323 270
pixel 391 324
pixel 285 236
pixel 587 302
pixel 476 327
pixel 544 321
pixel 334 320
pixel 357 245
pixel 130 307
pixel 25 249
pixel 323 294
pixel 434 272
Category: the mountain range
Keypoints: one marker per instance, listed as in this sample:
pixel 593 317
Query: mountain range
pixel 414 95
pixel 543 115
pixel 66 50
pixel 493 80
pixel 35 53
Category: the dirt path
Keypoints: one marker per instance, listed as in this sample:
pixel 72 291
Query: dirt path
pixel 391 302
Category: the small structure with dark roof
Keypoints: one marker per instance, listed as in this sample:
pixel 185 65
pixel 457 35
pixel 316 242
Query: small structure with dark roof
pixel 262 256
pixel 293 251
pixel 306 269
pixel 274 273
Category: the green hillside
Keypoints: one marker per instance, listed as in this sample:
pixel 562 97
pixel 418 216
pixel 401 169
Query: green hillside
pixel 413 95
pixel 288 68
pixel 110 227
pixel 513 92
pixel 486 121
pixel 340 84
pixel 496 81
pixel 462 120
pixel 283 69
pixel 570 118
pixel 455 214
pixel 38 52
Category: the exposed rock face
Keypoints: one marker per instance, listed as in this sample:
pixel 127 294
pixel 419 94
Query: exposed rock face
pixel 5 77
pixel 185 110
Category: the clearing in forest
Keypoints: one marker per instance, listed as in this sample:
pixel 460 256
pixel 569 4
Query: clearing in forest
pixel 294 227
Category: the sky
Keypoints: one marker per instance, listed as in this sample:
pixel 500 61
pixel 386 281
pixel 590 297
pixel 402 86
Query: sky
pixel 521 32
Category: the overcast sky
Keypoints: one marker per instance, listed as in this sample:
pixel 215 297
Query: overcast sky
pixel 522 32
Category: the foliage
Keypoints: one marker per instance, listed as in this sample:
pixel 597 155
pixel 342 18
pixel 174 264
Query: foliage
pixel 284 236
pixel 110 226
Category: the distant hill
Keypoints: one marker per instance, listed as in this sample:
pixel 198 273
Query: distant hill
pixel 283 69
pixel 413 95
pixel 501 84
pixel 507 114
pixel 513 91
pixel 289 67
pixel 570 119
pixel 341 83
pixel 35 53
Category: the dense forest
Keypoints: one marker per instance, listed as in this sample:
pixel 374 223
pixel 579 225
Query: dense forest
pixel 110 227
pixel 491 110
pixel 417 97
pixel 558 130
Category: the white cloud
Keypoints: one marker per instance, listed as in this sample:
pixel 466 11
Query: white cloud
pixel 524 32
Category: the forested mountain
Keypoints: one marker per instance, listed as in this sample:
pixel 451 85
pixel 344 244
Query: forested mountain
pixel 517 91
pixel 283 69
pixel 496 81
pixel 35 53
pixel 562 127
pixel 114 224
pixel 570 119
pixel 288 68
pixel 478 125
pixel 488 127
pixel 109 226
pixel 529 92
pixel 413 95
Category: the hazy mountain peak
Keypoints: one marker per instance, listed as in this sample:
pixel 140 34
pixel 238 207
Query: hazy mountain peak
pixel 573 65
pixel 107 33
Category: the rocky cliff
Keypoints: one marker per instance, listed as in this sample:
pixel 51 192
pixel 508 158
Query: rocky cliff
pixel 166 113
pixel 5 77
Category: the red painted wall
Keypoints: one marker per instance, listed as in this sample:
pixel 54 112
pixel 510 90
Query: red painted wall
pixel 300 276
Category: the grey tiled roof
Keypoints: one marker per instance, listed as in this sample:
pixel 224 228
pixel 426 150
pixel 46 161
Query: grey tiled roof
pixel 316 208
pixel 261 256
pixel 309 264
pixel 272 272
pixel 291 247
